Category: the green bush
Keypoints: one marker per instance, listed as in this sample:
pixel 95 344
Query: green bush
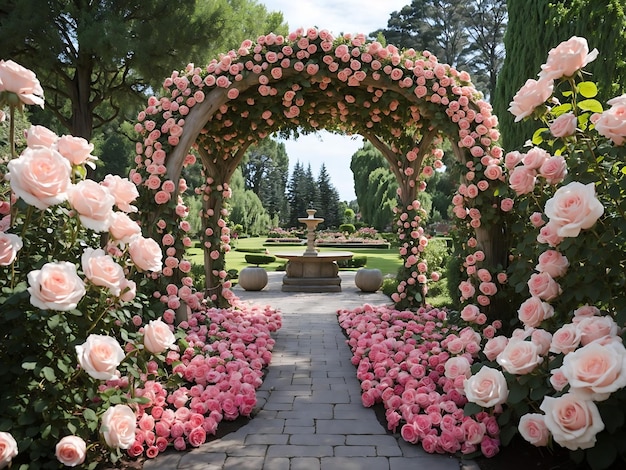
pixel 258 259
pixel 347 228
pixel 357 261
pixel 390 285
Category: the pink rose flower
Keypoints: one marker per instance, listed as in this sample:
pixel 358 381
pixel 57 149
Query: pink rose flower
pixel 512 159
pixel 548 234
pixel 506 205
pixel 543 286
pixel 612 122
pixel 558 380
pixel 94 204
pixel 158 337
pixel 40 176
pixel 572 420
pixel 470 313
pixel 574 207
pixel 457 367
pixel 55 286
pixel 100 356
pixel 566 339
pixel 554 169
pixel 535 157
pixel 8 448
pixel 23 82
pixel 487 388
pixel 123 228
pixel 519 357
pixel 76 149
pixel 522 180
pixel 118 426
pixel 564 125
pixel 102 270
pixel 495 346
pixel 536 218
pixel 71 451
pixel 123 190
pixel 596 370
pixel 40 136
pixel 567 58
pixel 10 244
pixel 534 93
pixel 595 328
pixel 533 311
pixel 146 254
pixel 532 427
pixel 553 263
pixel 197 436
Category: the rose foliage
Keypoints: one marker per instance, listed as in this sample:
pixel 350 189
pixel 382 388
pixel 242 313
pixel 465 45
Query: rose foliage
pixel 93 367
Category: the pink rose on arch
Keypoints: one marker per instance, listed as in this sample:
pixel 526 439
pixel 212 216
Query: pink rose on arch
pixel 102 270
pixel 123 228
pixel 564 125
pixel 8 448
pixel 118 426
pixel 100 356
pixel 10 244
pixel 548 234
pixel 158 337
pixel 612 122
pixel 543 286
pixel 146 254
pixel 567 58
pixel 487 388
pixel 470 313
pixel 553 263
pixel 522 180
pixel 123 190
pixel 519 357
pixel 94 204
pixel 554 169
pixel 572 420
pixel 40 176
pixel 55 286
pixel 23 82
pixel 574 207
pixel 532 427
pixel 533 311
pixel 534 93
pixel 40 135
pixel 71 451
pixel 76 149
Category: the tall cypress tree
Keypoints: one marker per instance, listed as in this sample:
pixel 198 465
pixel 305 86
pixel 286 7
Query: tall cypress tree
pixel 328 200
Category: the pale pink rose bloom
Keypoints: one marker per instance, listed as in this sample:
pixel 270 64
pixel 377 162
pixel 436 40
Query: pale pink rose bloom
pixel 512 159
pixel 40 176
pixel 55 286
pixel 123 228
pixel 457 366
pixel 543 286
pixel 612 122
pixel 495 346
pixel 596 370
pixel 487 388
pixel 10 244
pixel 40 136
pixel 519 357
pixel 594 328
pixel 532 427
pixel 71 451
pixel 553 263
pixel 566 339
pixel 554 169
pixel 118 426
pixel 23 82
pixel 567 58
pixel 542 339
pixel 585 311
pixel 572 420
pixel 574 207
pixel 100 356
pixel 564 125
pixel 146 254
pixel 533 311
pixel 77 150
pixel 157 337
pixel 522 180
pixel 123 190
pixel 548 234
pixel 534 93
pixel 470 313
pixel 8 448
pixel 558 380
pixel 94 204
pixel 535 157
pixel 102 270
pixel 129 290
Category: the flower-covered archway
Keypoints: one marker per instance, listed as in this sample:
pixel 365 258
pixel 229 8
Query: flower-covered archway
pixel 404 102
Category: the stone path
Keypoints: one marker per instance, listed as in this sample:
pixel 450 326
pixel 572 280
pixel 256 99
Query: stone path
pixel 309 415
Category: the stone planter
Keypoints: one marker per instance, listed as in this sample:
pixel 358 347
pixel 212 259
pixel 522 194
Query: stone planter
pixel 253 278
pixel 369 280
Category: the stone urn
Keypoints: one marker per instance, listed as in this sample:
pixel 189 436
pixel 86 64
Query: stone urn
pixel 369 280
pixel 253 278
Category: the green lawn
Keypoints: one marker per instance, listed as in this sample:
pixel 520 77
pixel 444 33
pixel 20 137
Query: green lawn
pixel 387 260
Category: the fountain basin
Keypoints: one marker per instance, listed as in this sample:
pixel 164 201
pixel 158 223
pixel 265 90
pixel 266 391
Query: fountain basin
pixel 313 273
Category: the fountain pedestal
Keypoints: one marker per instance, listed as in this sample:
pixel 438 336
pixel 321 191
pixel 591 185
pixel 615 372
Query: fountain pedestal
pixel 312 271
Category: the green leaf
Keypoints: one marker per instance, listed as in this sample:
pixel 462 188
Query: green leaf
pixel 471 409
pixel 517 394
pixel 587 89
pixel 602 454
pixel 29 365
pixel 507 434
pixel 49 374
pixel 537 138
pixel 591 105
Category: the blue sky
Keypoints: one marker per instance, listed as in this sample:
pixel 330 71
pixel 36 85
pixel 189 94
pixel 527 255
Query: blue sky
pixel 338 16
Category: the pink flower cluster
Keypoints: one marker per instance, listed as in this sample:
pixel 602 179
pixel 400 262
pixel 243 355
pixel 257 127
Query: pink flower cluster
pixel 416 364
pixel 536 162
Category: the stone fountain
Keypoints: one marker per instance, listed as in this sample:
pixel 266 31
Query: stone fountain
pixel 312 271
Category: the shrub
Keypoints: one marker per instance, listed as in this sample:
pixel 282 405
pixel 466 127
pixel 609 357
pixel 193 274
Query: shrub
pixel 347 228
pixel 390 285
pixel 357 261
pixel 258 259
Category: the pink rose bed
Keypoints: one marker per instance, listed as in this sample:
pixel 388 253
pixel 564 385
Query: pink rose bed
pixel 416 365
pixel 220 369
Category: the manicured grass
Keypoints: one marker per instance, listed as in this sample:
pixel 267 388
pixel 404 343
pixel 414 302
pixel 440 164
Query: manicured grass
pixel 387 260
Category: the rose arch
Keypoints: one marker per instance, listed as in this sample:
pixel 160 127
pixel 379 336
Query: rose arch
pixel 404 102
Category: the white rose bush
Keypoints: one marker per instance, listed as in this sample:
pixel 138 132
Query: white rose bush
pixel 94 368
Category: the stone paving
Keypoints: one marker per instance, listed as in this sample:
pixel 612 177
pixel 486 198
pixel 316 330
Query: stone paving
pixel 309 414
